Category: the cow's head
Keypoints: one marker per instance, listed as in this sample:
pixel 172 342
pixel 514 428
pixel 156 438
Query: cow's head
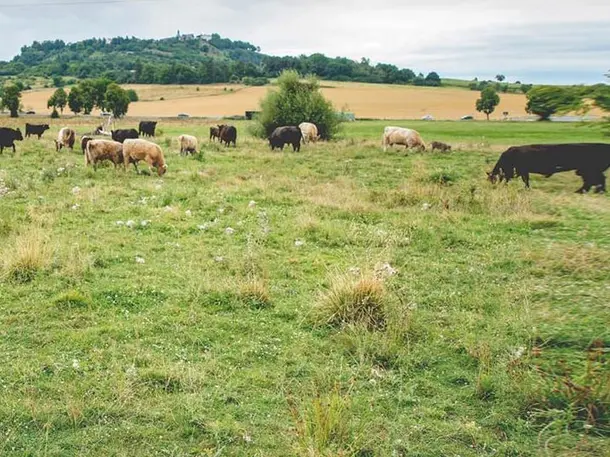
pixel 491 177
pixel 162 169
pixel 18 135
pixel 45 127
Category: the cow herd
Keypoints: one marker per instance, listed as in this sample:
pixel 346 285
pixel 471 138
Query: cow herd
pixel 589 160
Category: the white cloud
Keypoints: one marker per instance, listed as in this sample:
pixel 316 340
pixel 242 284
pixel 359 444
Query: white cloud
pixel 527 40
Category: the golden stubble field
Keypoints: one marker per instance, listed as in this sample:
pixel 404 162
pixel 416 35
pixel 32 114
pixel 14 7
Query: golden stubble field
pixel 375 101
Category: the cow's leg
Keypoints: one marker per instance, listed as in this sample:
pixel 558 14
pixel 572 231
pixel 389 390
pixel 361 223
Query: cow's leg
pixel 14 149
pixel 526 179
pixel 587 181
pixel 600 183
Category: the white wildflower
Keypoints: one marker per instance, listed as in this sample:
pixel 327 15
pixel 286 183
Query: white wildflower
pixel 299 243
pixel 76 190
pixel 385 270
pixel 252 204
pixel 75 364
pixel 119 223
pixel 131 371
pixel 188 213
pixel 203 227
pixel 140 260
pixel 219 259
pixel 144 223
pixel 221 210
pixel 130 223
pixel 426 206
pixel 75 207
pixel 229 231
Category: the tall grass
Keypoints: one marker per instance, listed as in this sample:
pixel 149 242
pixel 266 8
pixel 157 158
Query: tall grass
pixel 26 255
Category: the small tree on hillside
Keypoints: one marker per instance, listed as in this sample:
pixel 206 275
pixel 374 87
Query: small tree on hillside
pixel 116 100
pixel 297 101
pixel 11 96
pixel 59 99
pixel 75 100
pixel 545 101
pixel 133 95
pixel 500 78
pixel 488 101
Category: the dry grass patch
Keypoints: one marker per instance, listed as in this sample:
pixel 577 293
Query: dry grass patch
pixel 572 260
pixel 28 254
pixel 341 194
pixel 350 299
pixel 322 424
pixel 254 293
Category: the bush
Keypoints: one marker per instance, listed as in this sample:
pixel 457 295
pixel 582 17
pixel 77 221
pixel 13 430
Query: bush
pixel 133 95
pixel 250 81
pixel 545 101
pixel 297 101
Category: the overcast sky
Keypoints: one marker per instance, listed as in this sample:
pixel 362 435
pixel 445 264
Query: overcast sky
pixel 529 40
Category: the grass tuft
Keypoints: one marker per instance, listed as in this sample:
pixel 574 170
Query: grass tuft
pixel 29 254
pixel 353 300
pixel 255 294
pixel 72 299
pixel 323 424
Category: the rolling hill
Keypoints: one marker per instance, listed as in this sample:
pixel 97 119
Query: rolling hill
pixel 190 59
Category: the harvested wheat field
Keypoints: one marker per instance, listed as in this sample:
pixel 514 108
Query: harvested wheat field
pixel 374 101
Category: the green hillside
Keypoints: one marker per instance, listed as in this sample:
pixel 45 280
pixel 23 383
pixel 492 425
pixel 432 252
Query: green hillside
pixel 190 59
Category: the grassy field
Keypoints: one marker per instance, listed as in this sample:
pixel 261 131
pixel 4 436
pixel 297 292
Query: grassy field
pixel 341 301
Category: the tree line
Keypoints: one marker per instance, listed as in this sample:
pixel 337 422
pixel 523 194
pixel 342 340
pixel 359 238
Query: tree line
pixel 191 61
pixel 546 101
pixel 83 97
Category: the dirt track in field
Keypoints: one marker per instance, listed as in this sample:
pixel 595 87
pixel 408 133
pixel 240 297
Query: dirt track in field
pixel 365 100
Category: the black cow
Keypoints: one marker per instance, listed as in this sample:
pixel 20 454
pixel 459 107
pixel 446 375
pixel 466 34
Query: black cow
pixel 227 135
pixel 590 160
pixel 286 135
pixel 8 137
pixel 122 135
pixel 83 142
pixel 35 129
pixel 214 133
pixel 147 128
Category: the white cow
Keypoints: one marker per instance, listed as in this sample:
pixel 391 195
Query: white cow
pixel 398 135
pixel 309 131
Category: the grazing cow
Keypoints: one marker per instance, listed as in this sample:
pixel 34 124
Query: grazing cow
pixel 309 132
pixel 590 160
pixel 65 138
pixel 286 135
pixel 398 135
pixel 122 135
pixel 228 135
pixel 188 144
pixel 83 142
pixel 35 129
pixel 214 133
pixel 443 147
pixel 100 150
pixel 147 128
pixel 8 137
pixel 135 150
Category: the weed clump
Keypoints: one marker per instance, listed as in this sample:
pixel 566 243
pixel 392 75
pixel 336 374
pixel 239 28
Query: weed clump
pixel 29 254
pixel 350 301
pixel 255 294
pixel 72 299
